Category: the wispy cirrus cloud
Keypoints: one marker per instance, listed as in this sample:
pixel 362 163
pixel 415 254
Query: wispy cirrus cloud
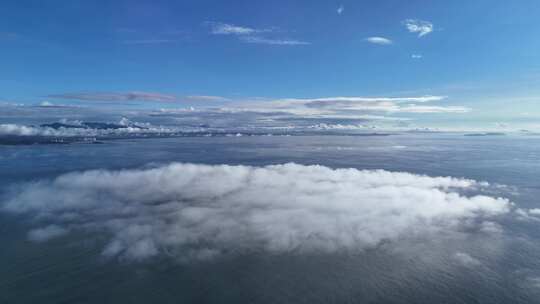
pixel 149 41
pixel 419 27
pixel 207 98
pixel 244 111
pixel 252 35
pixel 426 98
pixel 136 96
pixel 115 96
pixel 431 109
pixel 218 28
pixel 48 104
pixel 347 106
pixel 261 40
pixel 379 40
pixel 373 108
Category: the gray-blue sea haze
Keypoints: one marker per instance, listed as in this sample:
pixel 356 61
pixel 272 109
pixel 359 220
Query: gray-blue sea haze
pixel 308 218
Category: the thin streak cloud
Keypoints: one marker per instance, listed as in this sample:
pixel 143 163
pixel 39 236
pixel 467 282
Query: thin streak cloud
pixel 218 28
pixel 115 96
pixel 136 96
pixel 149 41
pixel 347 106
pixel 252 35
pixel 261 40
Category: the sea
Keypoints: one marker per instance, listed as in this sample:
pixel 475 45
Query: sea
pixel 73 269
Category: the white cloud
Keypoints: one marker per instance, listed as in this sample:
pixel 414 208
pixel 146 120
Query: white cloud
pixel 252 35
pixel 221 114
pixel 230 29
pixel 73 130
pixel 419 27
pixel 326 127
pixel 432 109
pixel 10 104
pixel 425 98
pixel 340 9
pixel 200 211
pixel 46 233
pixel 149 41
pixel 205 98
pixel 533 281
pixel 379 40
pixel 466 260
pixel 534 211
pixel 348 106
pixel 262 40
pixel 297 114
pixel 46 104
pixel 116 96
pixel 132 96
pixel 417 56
pixel 18 130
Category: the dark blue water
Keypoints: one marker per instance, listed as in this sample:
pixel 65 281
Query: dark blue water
pixel 71 269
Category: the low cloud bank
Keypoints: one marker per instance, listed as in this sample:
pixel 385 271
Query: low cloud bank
pixel 78 129
pixel 200 211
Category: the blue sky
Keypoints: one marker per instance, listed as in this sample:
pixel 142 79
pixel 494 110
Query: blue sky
pixel 482 56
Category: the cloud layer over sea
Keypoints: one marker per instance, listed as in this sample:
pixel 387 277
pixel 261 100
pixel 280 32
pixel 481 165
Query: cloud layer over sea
pixel 192 211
